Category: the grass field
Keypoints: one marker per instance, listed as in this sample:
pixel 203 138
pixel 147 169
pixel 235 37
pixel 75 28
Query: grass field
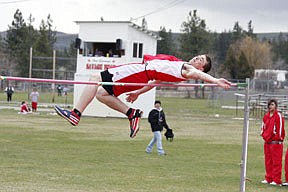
pixel 44 153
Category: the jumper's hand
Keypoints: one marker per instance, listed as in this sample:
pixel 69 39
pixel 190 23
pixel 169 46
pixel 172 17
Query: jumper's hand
pixel 131 97
pixel 223 83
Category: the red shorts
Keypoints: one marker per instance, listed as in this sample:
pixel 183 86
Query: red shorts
pixel 34 105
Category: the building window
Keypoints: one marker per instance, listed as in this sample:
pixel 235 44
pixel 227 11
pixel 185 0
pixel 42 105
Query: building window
pixel 140 53
pixel 138 50
pixel 135 46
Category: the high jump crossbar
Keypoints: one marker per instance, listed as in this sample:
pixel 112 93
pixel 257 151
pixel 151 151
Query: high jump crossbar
pixel 10 78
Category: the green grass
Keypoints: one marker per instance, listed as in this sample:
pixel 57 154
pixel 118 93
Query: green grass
pixel 44 153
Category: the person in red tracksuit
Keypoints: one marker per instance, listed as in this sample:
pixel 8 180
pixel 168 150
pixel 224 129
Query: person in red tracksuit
pixel 273 134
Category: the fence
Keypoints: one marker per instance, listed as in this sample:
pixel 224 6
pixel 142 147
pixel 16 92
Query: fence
pixel 258 104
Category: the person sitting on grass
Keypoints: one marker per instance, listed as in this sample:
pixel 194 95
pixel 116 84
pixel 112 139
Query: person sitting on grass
pixel 24 108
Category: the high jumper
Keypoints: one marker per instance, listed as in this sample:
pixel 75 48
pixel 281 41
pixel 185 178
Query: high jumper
pixel 153 70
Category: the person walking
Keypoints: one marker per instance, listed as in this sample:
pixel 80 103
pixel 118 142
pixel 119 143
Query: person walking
pixel 153 69
pixel 273 134
pixel 157 121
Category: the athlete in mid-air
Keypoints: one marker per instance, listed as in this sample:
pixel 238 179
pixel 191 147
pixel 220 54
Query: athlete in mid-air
pixel 153 69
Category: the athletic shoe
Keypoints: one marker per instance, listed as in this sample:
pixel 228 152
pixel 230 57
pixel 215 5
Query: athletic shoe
pixel 134 120
pixel 70 116
pixel 274 183
pixel 264 181
pixel 285 184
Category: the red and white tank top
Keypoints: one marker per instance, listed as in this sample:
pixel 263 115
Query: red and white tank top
pixel 163 70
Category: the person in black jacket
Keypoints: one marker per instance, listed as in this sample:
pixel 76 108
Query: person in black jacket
pixel 9 91
pixel 157 121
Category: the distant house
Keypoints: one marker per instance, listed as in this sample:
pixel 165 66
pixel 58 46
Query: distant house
pixel 275 78
pixel 103 44
pixel 276 75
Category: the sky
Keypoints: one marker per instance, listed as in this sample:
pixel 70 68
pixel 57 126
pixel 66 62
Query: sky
pixel 219 15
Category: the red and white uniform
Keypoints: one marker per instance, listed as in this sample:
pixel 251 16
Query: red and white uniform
pixel 156 69
pixel 34 98
pixel 273 133
pixel 24 108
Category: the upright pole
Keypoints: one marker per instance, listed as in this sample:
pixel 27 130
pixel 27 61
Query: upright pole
pixel 53 84
pixel 237 105
pixel 30 71
pixel 243 163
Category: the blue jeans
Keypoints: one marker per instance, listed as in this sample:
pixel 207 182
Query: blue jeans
pixel 158 140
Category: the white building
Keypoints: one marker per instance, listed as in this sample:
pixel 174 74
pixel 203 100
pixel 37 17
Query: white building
pixel 102 44
pixel 276 75
pixel 267 78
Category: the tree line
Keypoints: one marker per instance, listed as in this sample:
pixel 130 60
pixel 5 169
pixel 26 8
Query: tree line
pixel 21 36
pixel 235 53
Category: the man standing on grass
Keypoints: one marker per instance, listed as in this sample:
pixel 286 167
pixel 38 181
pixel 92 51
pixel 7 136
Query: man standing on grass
pixel 154 69
pixel 157 121
pixel 9 92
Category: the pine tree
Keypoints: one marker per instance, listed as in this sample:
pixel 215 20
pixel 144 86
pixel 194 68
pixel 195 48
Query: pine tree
pixel 222 42
pixel 250 30
pixel 43 48
pixel 166 44
pixel 237 33
pixel 51 33
pixel 244 68
pixel 20 37
pixel 66 62
pixel 196 39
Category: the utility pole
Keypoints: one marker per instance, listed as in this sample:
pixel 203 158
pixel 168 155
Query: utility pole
pixel 30 71
pixel 53 84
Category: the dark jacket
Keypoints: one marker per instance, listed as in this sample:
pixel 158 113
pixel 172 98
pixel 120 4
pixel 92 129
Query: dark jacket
pixel 9 90
pixel 157 120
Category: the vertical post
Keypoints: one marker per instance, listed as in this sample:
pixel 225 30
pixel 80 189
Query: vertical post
pixel 30 70
pixel 237 105
pixel 53 84
pixel 268 82
pixel 245 140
